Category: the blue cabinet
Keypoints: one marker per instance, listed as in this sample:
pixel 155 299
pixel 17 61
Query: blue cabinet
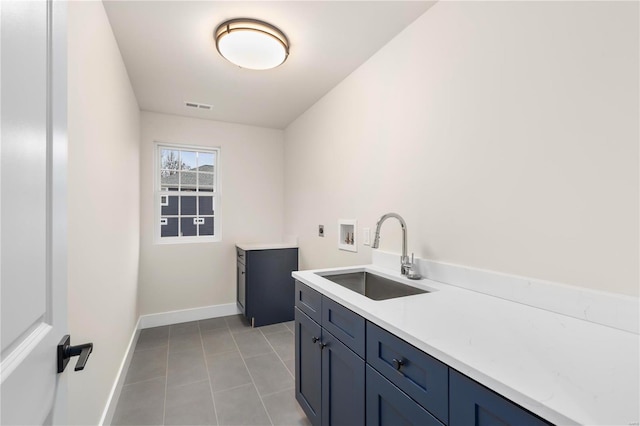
pixel 404 385
pixel 389 406
pixel 473 404
pixel 330 376
pixel 265 286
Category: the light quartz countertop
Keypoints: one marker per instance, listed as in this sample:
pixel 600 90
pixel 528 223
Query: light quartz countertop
pixel 265 246
pixel 566 370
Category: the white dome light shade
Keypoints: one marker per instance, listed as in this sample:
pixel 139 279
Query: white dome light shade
pixel 251 44
pixel 253 50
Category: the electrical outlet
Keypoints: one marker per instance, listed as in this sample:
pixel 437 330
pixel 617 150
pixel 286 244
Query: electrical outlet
pixel 320 230
pixel 366 236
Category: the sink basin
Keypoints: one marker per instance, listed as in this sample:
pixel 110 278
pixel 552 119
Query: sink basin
pixel 373 286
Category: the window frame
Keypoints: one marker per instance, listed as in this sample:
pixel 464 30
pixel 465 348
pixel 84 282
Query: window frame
pixel 158 192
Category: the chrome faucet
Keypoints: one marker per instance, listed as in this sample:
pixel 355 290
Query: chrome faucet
pixel 405 263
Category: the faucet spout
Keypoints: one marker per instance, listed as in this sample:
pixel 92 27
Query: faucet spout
pixel 376 240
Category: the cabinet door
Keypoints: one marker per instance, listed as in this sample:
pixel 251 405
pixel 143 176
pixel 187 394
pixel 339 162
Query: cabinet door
pixel 473 404
pixel 389 406
pixel 270 286
pixel 342 384
pixel 308 366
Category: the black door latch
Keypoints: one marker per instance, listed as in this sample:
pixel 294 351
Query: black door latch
pixel 66 351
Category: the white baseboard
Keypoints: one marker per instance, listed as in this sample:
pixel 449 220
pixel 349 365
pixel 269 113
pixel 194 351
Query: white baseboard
pixel 610 309
pixel 114 396
pixel 157 320
pixel 186 315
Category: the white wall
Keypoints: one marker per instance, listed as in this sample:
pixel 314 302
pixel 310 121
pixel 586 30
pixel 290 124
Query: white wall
pixel 182 276
pixel 505 133
pixel 104 135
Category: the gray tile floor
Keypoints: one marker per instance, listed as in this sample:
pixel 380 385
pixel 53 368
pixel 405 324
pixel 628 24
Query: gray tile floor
pixel 213 372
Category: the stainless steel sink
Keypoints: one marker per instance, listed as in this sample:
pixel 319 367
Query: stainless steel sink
pixel 373 286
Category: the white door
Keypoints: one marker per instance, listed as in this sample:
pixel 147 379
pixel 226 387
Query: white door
pixel 32 210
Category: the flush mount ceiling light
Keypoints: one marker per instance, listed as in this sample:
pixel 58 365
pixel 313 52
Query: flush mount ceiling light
pixel 252 44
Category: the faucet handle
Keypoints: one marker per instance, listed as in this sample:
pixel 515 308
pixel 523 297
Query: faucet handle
pixel 412 274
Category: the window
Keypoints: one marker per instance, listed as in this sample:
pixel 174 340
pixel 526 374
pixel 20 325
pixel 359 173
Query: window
pixel 187 194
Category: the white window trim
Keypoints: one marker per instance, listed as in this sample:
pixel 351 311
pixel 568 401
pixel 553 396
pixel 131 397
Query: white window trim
pixel 157 208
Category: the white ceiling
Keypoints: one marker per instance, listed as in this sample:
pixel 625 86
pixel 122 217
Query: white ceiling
pixel 170 54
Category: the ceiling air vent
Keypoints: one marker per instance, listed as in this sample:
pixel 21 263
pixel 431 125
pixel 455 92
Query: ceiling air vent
pixel 197 105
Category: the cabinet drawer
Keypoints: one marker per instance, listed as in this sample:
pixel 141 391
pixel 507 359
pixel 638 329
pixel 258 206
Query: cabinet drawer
pixel 472 403
pixel 241 255
pixel 389 406
pixel 309 301
pixel 346 325
pixel 419 375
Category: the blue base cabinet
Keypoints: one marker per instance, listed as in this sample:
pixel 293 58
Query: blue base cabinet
pixel 330 377
pixel 473 404
pixel 339 355
pixel 265 286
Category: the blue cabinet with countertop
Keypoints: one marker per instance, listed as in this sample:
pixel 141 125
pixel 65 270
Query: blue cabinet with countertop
pixel 404 385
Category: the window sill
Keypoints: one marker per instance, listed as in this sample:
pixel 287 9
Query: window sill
pixel 186 240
